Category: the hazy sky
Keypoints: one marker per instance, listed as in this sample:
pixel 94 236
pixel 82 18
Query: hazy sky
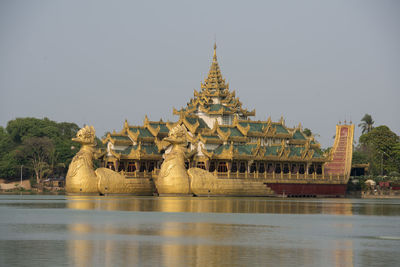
pixel 101 62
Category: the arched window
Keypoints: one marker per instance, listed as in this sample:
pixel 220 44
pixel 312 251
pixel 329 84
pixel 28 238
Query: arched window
pixel 319 169
pixel 311 169
pixel 142 166
pixel 285 168
pixel 302 170
pixel 212 166
pixel 234 167
pixel 242 167
pixel 151 166
pixel 253 167
pixel 270 168
pixel 121 166
pixel 278 168
pixel 261 168
pixel 222 167
pixel 294 168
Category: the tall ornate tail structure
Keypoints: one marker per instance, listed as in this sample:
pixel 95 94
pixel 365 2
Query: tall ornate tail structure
pixel 342 152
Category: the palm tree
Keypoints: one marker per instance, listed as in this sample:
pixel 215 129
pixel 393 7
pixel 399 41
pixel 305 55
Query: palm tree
pixel 366 125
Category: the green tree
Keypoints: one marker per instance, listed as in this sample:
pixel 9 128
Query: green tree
pixel 381 148
pixel 21 129
pixel 39 152
pixel 359 157
pixel 366 124
pixel 9 165
pixel 307 132
pixel 8 160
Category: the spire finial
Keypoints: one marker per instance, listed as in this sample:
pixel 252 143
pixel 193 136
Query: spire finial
pixel 215 51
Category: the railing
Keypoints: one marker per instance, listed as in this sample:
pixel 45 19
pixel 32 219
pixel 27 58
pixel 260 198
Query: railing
pixel 144 174
pixel 280 176
pixel 250 175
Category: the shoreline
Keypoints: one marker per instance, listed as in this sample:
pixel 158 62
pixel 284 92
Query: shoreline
pixel 31 193
pixel 353 195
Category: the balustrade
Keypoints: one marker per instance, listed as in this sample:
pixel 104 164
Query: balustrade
pixel 247 175
pixel 137 174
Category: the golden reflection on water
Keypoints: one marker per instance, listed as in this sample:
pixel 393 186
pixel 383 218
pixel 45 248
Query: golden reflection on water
pixel 210 244
pixel 214 205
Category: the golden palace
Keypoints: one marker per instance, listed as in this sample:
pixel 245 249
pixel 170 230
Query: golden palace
pixel 214 149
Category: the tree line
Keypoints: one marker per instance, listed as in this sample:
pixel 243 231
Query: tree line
pixel 378 146
pixel 40 148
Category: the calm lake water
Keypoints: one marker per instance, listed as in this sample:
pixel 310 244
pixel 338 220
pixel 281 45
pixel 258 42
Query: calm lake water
pixel 175 231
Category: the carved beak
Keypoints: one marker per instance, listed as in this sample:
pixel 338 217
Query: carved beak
pixel 169 139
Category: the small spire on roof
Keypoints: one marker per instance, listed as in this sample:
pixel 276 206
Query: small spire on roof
pixel 215 51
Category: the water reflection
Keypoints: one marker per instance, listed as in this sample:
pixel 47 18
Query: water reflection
pixel 200 238
pixel 214 205
pixel 147 231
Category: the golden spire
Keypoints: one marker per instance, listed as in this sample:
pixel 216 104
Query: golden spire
pixel 214 79
pixel 215 52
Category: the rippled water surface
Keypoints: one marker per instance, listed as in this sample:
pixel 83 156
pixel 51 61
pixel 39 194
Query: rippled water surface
pixel 174 231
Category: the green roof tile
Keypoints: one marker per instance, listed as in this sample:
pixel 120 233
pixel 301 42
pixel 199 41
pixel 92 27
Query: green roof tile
pixel 210 136
pixel 272 150
pixel 234 131
pixel 163 127
pixel 126 151
pixel 280 129
pixel 193 120
pixel 254 127
pixel 296 151
pixel 119 137
pixel 142 132
pixel 219 149
pixel 150 149
pixel 203 124
pixel 317 155
pixel 224 129
pixel 217 107
pixel 245 149
pixel 298 136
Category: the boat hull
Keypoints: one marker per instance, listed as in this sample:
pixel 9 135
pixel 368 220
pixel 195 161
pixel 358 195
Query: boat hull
pixel 308 190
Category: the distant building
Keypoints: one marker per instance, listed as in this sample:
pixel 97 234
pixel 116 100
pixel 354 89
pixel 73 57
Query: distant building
pixel 359 169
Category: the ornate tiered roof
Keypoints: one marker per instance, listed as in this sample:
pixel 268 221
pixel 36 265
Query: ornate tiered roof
pixel 214 98
pixel 241 138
